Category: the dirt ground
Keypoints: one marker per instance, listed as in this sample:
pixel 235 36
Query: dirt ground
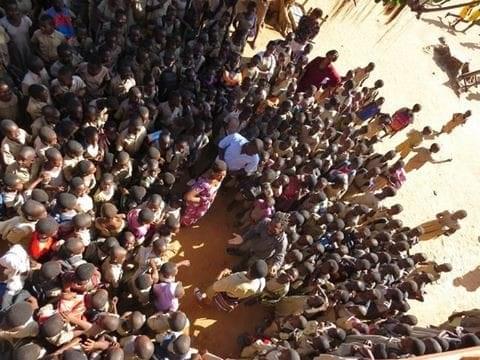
pixel 403 60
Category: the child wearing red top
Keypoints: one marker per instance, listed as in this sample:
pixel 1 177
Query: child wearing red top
pixel 42 244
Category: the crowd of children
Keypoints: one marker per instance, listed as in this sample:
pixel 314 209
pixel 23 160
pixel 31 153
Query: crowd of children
pixel 121 121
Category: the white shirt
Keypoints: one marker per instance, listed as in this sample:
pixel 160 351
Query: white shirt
pixel 234 158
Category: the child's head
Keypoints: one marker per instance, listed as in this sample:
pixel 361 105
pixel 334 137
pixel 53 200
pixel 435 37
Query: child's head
pixel 84 273
pixel 99 299
pixel 109 210
pixel 73 247
pixel 29 351
pixel 46 24
pixel 143 283
pixel 54 157
pixel 12 182
pixel 66 201
pixel 146 216
pixel 427 131
pixel 106 182
pixel 16 316
pixel 180 346
pixel 52 326
pixel 33 210
pixel 5 92
pixel 143 347
pixel 82 221
pixel 434 148
pixel 85 168
pixel 73 149
pixel 460 214
pixel 10 129
pixel 135 321
pixel 169 270
pixel 46 227
pixel 47 135
pixel 108 322
pixel 118 255
pixel 77 186
pixel 258 270
pixel 159 246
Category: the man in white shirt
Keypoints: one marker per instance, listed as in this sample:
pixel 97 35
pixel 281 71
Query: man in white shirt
pixel 240 155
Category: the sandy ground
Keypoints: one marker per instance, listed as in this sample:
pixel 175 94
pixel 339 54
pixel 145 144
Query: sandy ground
pixel 410 76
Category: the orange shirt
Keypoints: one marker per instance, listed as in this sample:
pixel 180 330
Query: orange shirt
pixel 39 248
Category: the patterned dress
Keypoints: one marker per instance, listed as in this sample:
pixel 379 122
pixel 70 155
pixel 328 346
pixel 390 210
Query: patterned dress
pixel 207 193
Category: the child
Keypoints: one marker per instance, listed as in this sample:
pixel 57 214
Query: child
pixel 106 189
pixel 139 223
pixel 167 293
pixel 414 138
pixel 110 222
pixel 18 28
pixel 112 267
pixel 12 195
pixel 51 171
pixel 37 74
pixel 66 82
pixel 132 138
pixel 422 156
pixel 82 224
pixel 47 139
pixel 401 119
pixel 95 75
pixel 84 201
pixel 73 155
pixel 14 139
pixel 46 39
pixel 65 211
pixel 38 97
pixel 19 229
pixel 458 119
pixel 42 243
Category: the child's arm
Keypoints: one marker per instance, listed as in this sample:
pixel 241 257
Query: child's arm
pixel 85 325
pixel 67 346
pixel 185 263
pixel 155 276
pixel 439 161
pixel 113 303
pixel 91 345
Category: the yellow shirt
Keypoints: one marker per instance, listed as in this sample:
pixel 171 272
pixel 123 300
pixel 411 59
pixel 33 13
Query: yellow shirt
pixel 47 44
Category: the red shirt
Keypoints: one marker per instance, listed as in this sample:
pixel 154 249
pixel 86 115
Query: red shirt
pixel 314 75
pixel 38 249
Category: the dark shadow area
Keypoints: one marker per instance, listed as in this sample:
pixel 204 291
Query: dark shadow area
pixel 471 45
pixel 470 280
pixel 438 22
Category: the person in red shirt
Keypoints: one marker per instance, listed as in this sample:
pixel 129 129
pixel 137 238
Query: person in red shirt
pixel 402 118
pixel 321 73
pixel 43 239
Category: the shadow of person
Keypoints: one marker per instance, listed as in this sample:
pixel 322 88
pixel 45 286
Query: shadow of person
pixel 445 223
pixel 204 245
pixel 470 280
pixel 438 22
pixel 470 45
pixel 473 96
pixel 422 156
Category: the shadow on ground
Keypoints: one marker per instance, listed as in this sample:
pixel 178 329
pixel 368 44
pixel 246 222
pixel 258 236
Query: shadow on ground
pixel 470 280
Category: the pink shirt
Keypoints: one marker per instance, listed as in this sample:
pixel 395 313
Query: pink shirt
pixel 137 229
